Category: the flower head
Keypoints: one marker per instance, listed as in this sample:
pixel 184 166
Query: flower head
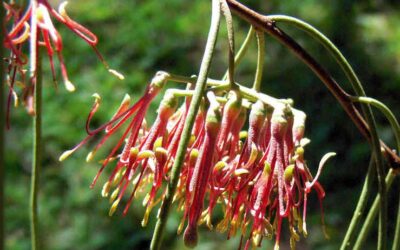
pixel 258 177
pixel 35 28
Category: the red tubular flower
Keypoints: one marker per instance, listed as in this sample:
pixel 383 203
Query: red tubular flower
pixel 201 172
pixel 133 115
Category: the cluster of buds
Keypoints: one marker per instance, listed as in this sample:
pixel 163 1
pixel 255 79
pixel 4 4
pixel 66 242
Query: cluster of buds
pixel 256 177
pixel 31 29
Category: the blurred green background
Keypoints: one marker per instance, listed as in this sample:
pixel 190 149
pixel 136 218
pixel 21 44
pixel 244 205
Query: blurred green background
pixel 141 37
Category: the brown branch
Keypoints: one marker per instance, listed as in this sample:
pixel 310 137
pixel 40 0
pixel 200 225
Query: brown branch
pixel 263 23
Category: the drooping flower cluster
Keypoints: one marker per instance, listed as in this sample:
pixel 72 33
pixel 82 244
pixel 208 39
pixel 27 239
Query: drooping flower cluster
pixel 28 31
pixel 258 177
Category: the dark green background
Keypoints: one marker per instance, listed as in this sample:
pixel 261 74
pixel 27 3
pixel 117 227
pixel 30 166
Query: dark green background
pixel 141 37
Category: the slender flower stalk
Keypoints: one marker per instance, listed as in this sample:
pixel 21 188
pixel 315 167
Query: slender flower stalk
pixel 36 78
pixel 2 138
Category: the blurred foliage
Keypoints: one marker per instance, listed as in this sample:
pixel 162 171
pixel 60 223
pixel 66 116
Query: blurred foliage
pixel 140 37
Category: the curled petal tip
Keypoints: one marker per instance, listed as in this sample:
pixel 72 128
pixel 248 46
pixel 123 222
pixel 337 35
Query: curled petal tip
pixel 69 86
pixel 61 9
pixel 304 142
pixel 65 155
pixel 96 96
pixel 126 100
pixel 117 74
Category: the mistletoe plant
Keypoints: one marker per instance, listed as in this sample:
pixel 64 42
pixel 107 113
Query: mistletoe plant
pixel 197 154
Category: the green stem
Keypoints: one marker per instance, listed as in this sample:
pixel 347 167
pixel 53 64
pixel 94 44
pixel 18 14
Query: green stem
pixel 2 138
pixel 36 78
pixel 369 116
pixel 386 111
pixel 260 60
pixel 248 93
pixel 243 49
pixel 362 203
pixel 231 41
pixel 396 241
pixel 193 109
pixel 369 221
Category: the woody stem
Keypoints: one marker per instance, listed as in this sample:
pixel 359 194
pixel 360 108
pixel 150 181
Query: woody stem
pixel 193 109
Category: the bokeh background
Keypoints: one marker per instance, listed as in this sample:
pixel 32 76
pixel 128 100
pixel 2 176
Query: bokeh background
pixel 141 37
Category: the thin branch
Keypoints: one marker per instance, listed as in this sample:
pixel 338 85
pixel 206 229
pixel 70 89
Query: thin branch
pixel 194 106
pixel 260 60
pixel 362 203
pixel 243 49
pixel 373 211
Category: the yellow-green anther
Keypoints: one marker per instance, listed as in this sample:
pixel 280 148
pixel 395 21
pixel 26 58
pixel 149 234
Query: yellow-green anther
pixel 134 152
pixel 220 165
pixel 118 176
pixel 106 189
pixel 192 140
pixel 256 239
pixel 243 135
pixel 253 154
pixel 161 153
pixel 146 199
pixel 268 228
pixel 90 156
pixel 114 194
pixel 113 207
pixel 267 168
pixel 66 154
pixel 194 154
pixel 158 143
pixel 300 151
pixel 241 171
pixel 146 216
pixel 288 175
pixel 145 154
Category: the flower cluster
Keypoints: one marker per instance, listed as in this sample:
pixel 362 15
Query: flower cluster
pixel 256 177
pixel 34 28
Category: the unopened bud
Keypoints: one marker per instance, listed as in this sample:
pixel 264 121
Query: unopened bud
pixel 190 237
